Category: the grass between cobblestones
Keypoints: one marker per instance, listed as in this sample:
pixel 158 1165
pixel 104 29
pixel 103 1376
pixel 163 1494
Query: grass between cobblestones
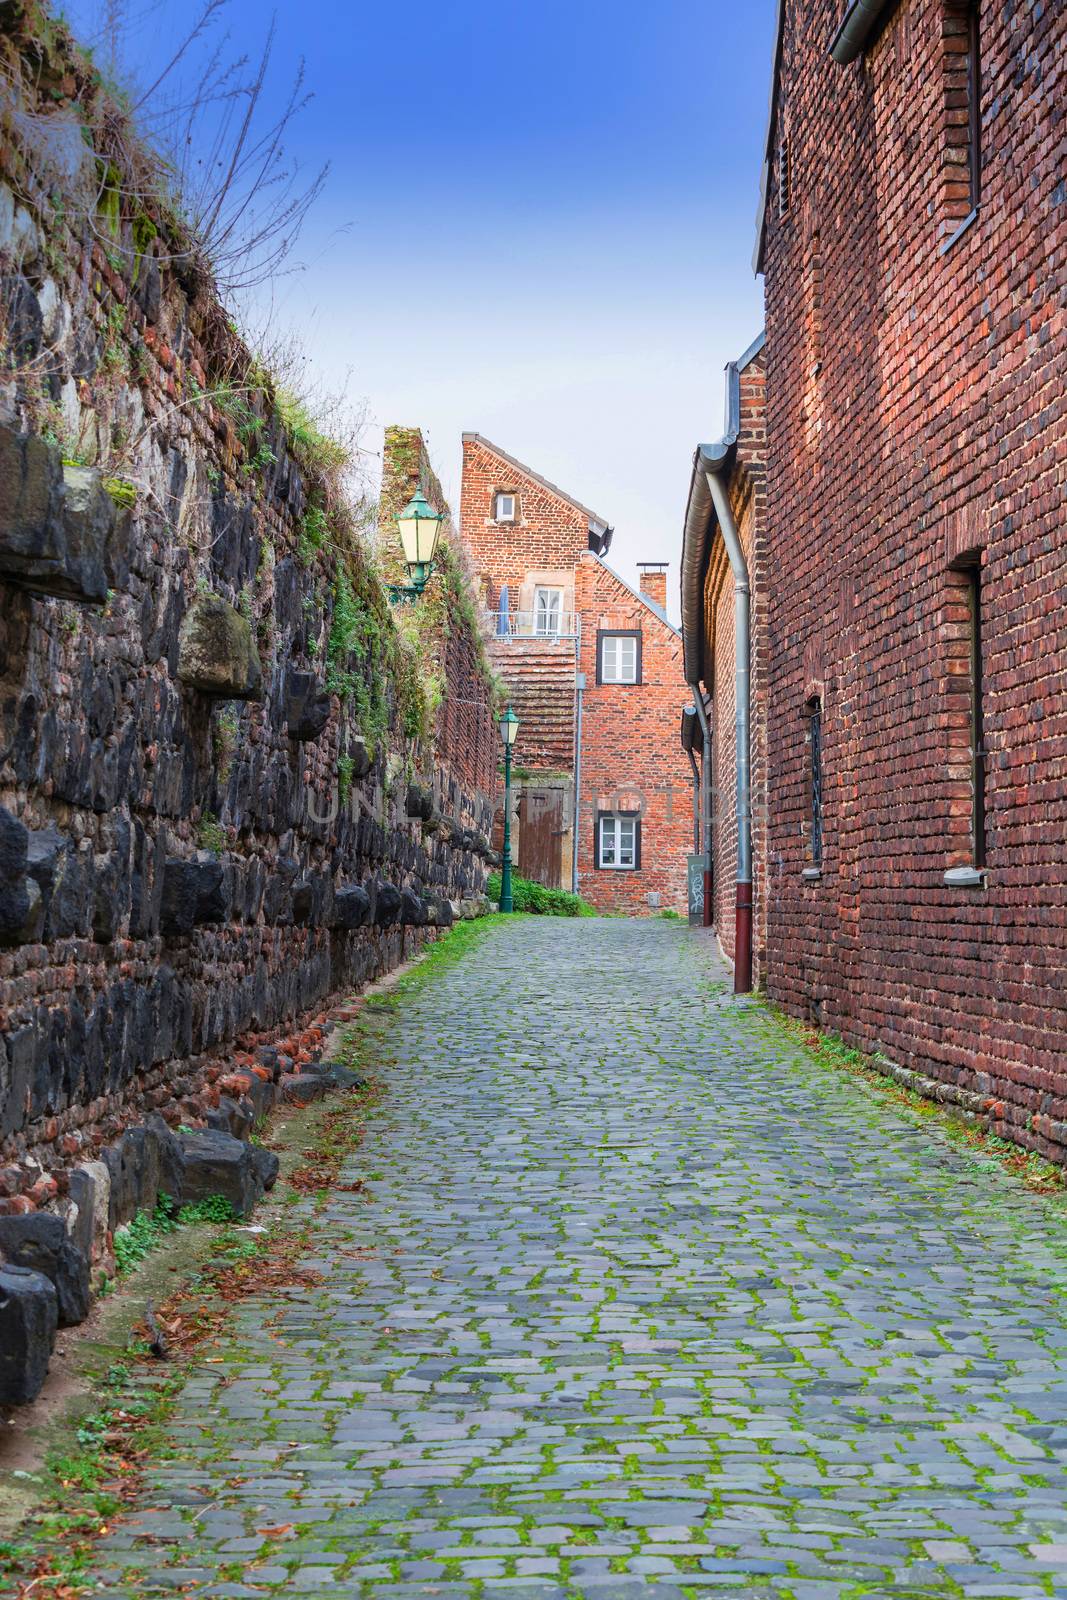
pixel 1039 1175
pixel 632 1291
pixel 96 1471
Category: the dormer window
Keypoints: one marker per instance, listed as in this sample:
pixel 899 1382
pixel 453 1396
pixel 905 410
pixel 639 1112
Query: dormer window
pixel 504 508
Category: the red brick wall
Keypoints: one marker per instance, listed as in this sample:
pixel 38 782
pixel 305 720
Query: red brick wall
pixel 916 410
pixel 747 498
pixel 548 532
pixel 631 747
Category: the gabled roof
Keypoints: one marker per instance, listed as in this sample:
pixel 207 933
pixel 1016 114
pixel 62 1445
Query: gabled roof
pixel 657 611
pixel 597 523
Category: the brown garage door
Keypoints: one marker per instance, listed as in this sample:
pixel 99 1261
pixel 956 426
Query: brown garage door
pixel 541 836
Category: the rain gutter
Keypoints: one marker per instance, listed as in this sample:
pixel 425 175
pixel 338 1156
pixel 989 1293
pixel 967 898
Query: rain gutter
pixel 709 504
pixel 858 27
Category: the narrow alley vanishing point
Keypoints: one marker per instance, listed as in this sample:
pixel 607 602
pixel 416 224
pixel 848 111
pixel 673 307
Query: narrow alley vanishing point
pixel 644 1300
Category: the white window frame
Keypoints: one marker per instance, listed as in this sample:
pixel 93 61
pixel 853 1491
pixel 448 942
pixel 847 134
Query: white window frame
pixel 553 612
pixel 498 515
pixel 614 828
pixel 618 640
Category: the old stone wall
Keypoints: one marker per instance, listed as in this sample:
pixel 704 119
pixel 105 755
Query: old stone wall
pixel 916 423
pixel 231 787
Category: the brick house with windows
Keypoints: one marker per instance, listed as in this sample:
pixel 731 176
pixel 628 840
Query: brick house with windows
pixel 594 670
pixel 913 239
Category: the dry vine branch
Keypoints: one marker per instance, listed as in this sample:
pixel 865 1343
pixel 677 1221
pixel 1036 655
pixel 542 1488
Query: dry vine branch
pixel 225 170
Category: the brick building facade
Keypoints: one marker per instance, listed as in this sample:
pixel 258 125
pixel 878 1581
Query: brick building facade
pixel 914 246
pixel 593 668
pixel 710 586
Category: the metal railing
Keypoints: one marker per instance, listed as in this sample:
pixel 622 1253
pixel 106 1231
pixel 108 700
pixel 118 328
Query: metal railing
pixel 549 626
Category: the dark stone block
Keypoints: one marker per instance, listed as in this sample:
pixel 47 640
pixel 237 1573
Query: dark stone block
pixel 419 802
pixel 301 1088
pixel 267 1056
pixel 181 890
pixel 342 1077
pixel 266 1164
pixel 19 896
pixel 304 904
pixel 387 903
pixel 351 907
pixel 169 1158
pixel 217 653
pixel 444 916
pixel 194 892
pixel 231 1116
pixel 412 909
pixel 133 1166
pixel 214 891
pixel 41 1242
pixel 278 898
pixel 235 539
pixel 97 529
pixel 358 754
pixel 216 1163
pixel 29 1316
pixel 82 1190
pixel 60 531
pixel 307 706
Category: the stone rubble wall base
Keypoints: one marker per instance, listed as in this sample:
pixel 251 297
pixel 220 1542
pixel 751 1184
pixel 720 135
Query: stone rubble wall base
pixel 52 1258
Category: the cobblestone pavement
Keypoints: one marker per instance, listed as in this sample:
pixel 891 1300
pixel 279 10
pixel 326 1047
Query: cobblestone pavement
pixel 644 1302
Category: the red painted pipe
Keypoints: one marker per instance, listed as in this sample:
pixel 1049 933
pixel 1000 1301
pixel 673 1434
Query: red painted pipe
pixel 743 940
pixel 709 909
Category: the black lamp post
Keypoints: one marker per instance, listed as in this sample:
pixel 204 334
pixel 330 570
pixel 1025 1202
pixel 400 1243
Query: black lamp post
pixel 509 727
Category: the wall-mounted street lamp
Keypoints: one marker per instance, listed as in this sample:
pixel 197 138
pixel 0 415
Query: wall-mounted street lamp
pixel 509 727
pixel 420 529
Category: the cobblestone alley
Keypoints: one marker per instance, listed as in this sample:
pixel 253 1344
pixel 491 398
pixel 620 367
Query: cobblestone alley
pixel 645 1301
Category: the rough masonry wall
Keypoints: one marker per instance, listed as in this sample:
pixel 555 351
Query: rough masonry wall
pixel 221 798
pixel 631 753
pixel 916 414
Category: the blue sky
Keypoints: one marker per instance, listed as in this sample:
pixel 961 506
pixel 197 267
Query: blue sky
pixel 538 225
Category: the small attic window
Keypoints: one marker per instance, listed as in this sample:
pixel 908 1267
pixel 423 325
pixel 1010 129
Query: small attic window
pixel 504 508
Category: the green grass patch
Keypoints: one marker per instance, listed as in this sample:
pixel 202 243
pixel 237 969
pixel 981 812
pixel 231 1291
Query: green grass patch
pixel 537 901
pixel 831 1050
pixel 136 1239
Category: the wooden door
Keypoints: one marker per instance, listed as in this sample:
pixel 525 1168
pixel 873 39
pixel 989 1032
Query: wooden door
pixel 541 834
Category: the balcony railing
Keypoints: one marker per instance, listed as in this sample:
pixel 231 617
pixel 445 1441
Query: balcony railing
pixel 553 627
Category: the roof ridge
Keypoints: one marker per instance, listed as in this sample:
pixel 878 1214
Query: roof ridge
pixel 546 483
pixel 657 611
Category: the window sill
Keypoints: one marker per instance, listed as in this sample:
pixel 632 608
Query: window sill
pixel 966 878
pixel 969 220
pixel 811 874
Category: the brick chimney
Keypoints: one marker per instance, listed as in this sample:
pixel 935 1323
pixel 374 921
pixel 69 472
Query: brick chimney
pixel 654 582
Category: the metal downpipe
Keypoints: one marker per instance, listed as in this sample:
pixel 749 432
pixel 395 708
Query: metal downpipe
pixel 743 702
pixel 696 801
pixel 702 718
